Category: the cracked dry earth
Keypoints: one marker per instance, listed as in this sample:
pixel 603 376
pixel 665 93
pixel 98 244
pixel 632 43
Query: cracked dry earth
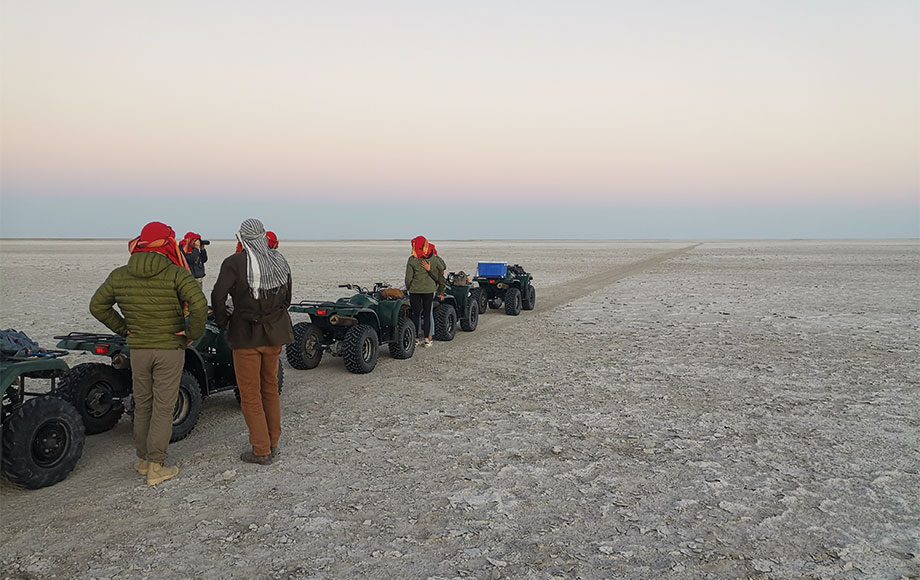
pixel 670 409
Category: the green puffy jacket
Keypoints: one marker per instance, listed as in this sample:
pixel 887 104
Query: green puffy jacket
pixel 150 292
pixel 417 279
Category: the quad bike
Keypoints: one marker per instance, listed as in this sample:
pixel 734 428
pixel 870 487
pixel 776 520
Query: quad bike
pixel 101 392
pixel 460 303
pixel 353 328
pixel 43 434
pixel 502 284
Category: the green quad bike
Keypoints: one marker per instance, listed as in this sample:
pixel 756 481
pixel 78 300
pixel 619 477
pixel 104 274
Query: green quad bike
pixel 43 434
pixel 353 328
pixel 101 392
pixel 502 284
pixel 460 303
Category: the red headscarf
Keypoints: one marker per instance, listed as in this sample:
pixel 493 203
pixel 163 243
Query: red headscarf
pixel 186 242
pixel 158 237
pixel 420 247
pixel 269 235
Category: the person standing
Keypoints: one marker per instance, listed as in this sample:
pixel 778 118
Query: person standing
pixel 195 254
pixel 438 267
pixel 153 291
pixel 421 287
pixel 258 280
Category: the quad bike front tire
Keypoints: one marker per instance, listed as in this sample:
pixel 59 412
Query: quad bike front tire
pixel 529 300
pixel 188 407
pixel 96 390
pixel 403 345
pixel 479 296
pixel 360 348
pixel 445 322
pixel 236 390
pixel 513 301
pixel 307 349
pixel 469 322
pixel 42 442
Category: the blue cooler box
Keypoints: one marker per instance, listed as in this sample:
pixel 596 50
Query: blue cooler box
pixel 493 269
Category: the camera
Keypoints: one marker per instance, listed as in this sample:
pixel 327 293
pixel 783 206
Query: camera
pixel 205 242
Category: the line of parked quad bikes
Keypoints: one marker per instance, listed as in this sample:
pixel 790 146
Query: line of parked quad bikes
pixel 43 430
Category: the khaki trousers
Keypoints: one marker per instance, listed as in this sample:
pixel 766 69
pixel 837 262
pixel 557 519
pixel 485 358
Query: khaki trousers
pixel 155 374
pixel 257 378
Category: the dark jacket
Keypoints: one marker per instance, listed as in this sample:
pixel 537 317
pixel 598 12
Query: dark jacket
pixel 150 291
pixel 252 322
pixel 418 281
pixel 196 259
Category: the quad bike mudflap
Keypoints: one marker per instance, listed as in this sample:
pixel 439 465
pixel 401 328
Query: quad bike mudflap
pixel 42 433
pixel 354 328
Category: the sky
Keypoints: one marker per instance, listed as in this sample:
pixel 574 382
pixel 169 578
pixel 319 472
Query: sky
pixel 499 119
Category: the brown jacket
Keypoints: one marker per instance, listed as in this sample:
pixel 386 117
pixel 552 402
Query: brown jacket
pixel 252 322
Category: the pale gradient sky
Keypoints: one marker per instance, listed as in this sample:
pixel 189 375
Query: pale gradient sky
pixel 751 111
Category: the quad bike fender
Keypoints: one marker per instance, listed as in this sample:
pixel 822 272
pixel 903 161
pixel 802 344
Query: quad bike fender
pixel 10 372
pixel 194 363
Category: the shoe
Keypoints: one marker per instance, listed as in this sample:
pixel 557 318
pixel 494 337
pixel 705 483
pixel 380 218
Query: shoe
pixel 141 466
pixel 275 451
pixel 158 473
pixel 428 343
pixel 418 341
pixel 250 457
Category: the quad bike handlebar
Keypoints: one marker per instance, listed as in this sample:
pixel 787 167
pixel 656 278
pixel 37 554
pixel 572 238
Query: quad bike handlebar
pixel 378 286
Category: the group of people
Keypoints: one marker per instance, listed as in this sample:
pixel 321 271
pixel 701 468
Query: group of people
pixel 163 310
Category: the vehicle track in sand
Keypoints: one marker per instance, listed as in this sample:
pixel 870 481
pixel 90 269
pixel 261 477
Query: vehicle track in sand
pixel 104 469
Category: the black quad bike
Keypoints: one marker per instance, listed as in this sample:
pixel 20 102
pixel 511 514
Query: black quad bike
pixel 43 434
pixel 101 391
pixel 514 289
pixel 353 328
pixel 460 304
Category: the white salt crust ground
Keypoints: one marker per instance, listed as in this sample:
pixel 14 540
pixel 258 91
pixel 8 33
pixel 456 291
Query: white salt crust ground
pixel 723 410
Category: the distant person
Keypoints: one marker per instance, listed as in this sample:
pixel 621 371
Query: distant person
pixel 153 291
pixel 195 254
pixel 421 287
pixel 258 280
pixel 269 235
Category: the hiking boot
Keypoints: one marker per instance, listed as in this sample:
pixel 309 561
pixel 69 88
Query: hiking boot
pixel 250 457
pixel 275 451
pixel 158 473
pixel 141 466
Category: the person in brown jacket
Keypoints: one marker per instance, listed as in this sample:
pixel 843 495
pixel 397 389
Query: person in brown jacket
pixel 258 280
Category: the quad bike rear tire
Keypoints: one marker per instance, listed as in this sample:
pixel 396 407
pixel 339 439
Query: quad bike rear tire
pixel 188 407
pixel 42 442
pixel 471 320
pixel 306 351
pixel 360 348
pixel 96 390
pixel 445 322
pixel 403 345
pixel 236 390
pixel 529 300
pixel 513 301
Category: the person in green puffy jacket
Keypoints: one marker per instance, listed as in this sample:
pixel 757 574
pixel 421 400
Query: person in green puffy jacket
pixel 421 287
pixel 153 291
